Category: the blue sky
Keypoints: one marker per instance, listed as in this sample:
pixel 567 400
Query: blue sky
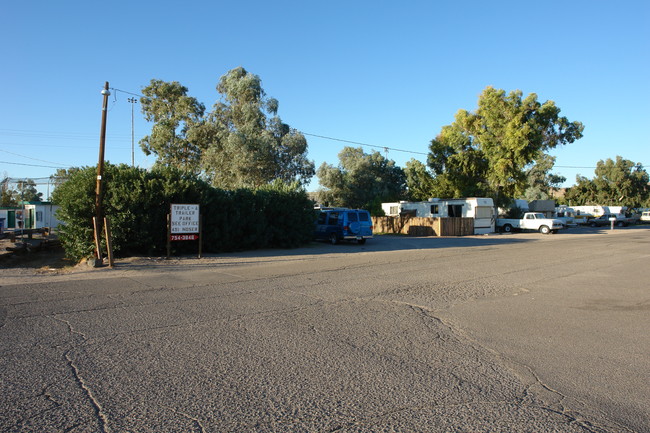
pixel 389 74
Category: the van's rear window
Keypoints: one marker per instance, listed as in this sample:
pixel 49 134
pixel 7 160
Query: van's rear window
pixel 363 216
pixel 352 217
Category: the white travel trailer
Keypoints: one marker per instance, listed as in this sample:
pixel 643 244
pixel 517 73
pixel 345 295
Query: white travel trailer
pixel 479 208
pixel 590 211
pixel 584 213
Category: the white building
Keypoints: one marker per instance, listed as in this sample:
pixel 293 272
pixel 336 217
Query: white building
pixel 481 209
pixel 40 215
pixel 30 215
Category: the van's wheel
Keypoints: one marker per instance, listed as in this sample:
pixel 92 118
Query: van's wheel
pixel 507 228
pixel 544 230
pixel 361 241
pixel 333 239
pixel 620 224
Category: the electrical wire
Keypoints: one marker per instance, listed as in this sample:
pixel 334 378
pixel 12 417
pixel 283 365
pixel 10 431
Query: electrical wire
pixel 386 148
pixel 116 90
pixel 30 165
pixel 28 157
pixel 34 180
pixel 128 93
pixel 57 135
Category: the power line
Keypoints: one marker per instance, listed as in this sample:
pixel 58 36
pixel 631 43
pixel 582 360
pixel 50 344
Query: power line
pixel 55 134
pixel 30 165
pixel 128 93
pixel 364 144
pixel 27 157
pixel 573 166
pixel 57 147
pixel 42 145
pixel 34 180
pixel 385 148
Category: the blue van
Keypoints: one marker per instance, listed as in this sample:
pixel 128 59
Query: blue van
pixel 337 224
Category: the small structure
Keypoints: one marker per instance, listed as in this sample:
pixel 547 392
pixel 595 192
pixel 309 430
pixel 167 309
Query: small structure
pixel 8 217
pixel 37 215
pixel 480 209
pixel 547 207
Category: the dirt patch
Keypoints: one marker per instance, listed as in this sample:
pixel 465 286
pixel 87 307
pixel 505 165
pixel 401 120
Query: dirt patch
pixel 32 257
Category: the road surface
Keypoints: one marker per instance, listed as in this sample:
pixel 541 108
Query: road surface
pixel 501 333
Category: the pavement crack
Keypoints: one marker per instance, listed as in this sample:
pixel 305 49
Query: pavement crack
pixel 535 387
pixel 49 397
pixel 71 328
pixel 197 422
pixel 102 418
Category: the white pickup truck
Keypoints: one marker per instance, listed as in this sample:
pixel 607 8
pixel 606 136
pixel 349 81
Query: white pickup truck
pixel 531 221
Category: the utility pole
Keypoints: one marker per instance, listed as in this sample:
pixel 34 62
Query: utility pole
pixel 133 101
pixel 100 171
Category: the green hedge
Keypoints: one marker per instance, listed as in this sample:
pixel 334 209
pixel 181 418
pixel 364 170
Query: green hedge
pixel 137 202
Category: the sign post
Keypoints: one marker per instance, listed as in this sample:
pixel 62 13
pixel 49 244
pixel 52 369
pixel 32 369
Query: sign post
pixel 184 224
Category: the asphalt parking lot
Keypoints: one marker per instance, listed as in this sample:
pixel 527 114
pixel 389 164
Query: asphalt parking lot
pixel 519 332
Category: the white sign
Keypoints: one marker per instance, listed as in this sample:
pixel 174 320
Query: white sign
pixel 185 218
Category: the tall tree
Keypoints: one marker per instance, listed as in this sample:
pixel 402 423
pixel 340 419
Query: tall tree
pixel 620 182
pixel 540 179
pixel 584 192
pixel 488 151
pixel 361 180
pixel 6 193
pixel 420 184
pixel 27 190
pixel 62 174
pixel 242 142
pixel 247 144
pixel 24 190
pixel 173 113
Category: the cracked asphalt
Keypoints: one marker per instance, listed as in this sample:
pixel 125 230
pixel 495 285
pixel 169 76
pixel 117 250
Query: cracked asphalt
pixel 502 333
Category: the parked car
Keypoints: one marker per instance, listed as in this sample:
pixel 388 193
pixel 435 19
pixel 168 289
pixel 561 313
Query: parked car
pixel 337 224
pixel 606 219
pixel 645 217
pixel 531 221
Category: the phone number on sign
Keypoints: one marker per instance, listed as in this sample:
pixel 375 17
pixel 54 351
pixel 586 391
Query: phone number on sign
pixel 183 237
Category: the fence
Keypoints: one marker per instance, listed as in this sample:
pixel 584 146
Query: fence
pixel 417 226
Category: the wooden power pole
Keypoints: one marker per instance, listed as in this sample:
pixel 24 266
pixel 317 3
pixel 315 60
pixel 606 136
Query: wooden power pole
pixel 100 171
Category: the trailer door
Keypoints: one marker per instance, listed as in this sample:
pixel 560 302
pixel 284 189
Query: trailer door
pixel 455 210
pixel 483 221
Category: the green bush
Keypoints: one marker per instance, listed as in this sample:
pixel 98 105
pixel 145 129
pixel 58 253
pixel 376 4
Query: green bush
pixel 137 202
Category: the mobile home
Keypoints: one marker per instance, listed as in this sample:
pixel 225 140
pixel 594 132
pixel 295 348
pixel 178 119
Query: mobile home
pixel 480 209
pixel 583 213
pixel 39 215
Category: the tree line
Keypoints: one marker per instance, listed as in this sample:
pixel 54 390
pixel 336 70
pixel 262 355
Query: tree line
pixel 248 169
pixel 499 150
